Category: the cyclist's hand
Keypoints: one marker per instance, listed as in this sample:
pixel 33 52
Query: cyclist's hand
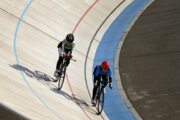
pixel 70 56
pixel 110 85
pixel 66 56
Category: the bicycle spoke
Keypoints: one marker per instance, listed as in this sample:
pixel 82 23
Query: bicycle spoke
pixel 100 102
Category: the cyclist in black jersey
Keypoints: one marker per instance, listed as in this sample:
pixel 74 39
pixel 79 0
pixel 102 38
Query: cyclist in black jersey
pixel 65 49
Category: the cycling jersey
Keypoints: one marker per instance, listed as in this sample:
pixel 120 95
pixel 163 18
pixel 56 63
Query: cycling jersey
pixel 64 48
pixel 99 72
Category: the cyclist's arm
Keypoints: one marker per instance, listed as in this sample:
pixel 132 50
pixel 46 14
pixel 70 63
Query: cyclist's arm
pixel 110 76
pixel 61 48
pixel 110 79
pixel 97 72
pixel 60 51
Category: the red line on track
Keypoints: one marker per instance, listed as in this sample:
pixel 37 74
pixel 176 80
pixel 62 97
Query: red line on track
pixel 77 101
pixel 83 16
pixel 66 74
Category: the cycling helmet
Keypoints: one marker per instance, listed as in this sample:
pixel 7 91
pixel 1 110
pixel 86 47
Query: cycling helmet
pixel 70 37
pixel 105 65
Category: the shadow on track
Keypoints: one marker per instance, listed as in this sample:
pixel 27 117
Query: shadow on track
pixel 84 103
pixel 48 81
pixel 38 75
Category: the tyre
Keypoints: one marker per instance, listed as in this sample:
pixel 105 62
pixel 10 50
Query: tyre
pixel 100 103
pixel 61 77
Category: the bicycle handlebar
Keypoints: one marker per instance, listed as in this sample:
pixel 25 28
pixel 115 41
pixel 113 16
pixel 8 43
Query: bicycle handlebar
pixel 70 59
pixel 73 60
pixel 101 81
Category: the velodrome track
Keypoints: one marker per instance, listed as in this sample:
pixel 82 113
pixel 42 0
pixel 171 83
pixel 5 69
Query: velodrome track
pixel 29 55
pixel 30 31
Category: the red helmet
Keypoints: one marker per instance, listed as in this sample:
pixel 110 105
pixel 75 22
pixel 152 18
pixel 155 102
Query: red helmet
pixel 105 65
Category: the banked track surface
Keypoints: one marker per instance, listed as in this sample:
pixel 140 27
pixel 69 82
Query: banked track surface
pixel 42 28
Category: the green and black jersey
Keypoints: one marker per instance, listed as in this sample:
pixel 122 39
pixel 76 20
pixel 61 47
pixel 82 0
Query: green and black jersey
pixel 63 48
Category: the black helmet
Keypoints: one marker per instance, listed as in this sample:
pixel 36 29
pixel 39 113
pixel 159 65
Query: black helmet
pixel 70 37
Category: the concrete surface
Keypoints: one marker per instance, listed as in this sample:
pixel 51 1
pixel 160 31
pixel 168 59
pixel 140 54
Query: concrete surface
pixel 43 26
pixel 122 25
pixel 149 62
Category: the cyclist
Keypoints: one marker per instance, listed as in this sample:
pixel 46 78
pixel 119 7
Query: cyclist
pixel 65 49
pixel 101 72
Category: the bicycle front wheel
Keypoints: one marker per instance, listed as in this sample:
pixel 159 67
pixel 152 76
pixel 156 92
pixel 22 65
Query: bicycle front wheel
pixel 100 103
pixel 61 78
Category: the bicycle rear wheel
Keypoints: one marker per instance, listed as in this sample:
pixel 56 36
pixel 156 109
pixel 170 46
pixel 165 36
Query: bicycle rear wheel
pixel 100 103
pixel 61 77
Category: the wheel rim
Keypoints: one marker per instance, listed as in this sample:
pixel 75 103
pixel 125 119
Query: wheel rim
pixel 100 102
pixel 61 78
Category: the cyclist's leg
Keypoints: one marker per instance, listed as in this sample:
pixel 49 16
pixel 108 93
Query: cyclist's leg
pixel 105 80
pixel 61 52
pixel 96 85
pixel 58 65
pixel 67 62
pixel 59 62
